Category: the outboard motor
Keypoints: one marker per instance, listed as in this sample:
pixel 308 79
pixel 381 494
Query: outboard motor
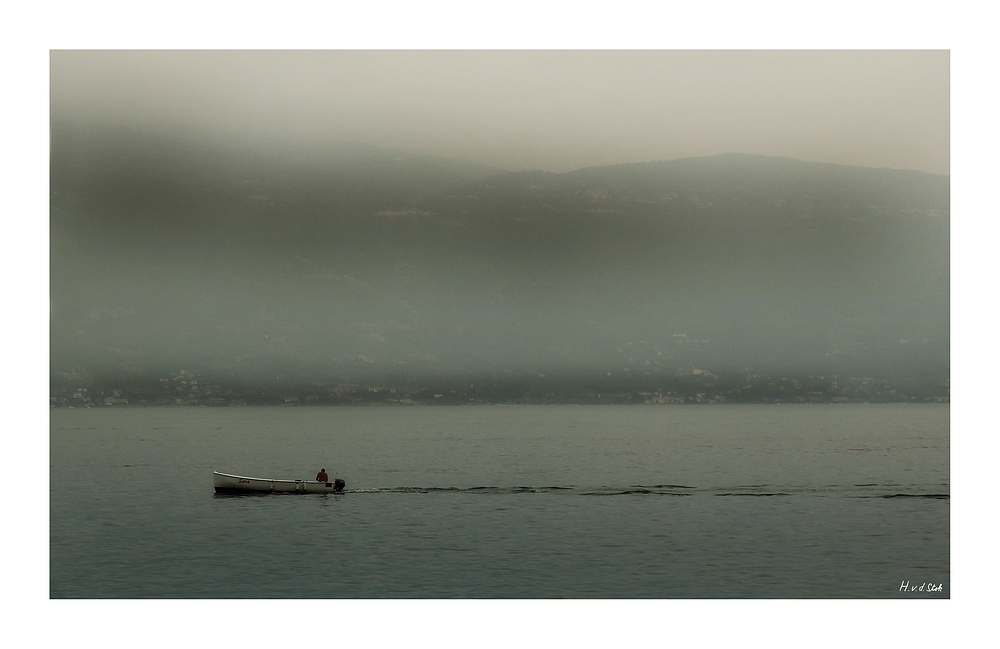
pixel 338 485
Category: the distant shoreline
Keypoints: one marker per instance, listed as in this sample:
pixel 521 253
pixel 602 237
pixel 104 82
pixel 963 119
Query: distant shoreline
pixel 384 404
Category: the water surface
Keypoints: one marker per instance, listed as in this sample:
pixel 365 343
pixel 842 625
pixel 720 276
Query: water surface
pixel 830 501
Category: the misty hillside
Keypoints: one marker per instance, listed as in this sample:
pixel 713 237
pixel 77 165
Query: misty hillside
pixel 153 171
pixel 172 252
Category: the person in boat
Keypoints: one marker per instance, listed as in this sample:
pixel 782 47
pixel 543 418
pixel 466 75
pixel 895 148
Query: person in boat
pixel 322 476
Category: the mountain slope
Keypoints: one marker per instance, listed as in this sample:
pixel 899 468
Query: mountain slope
pixel 170 252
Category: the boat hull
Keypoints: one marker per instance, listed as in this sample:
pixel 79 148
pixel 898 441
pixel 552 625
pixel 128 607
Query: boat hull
pixel 226 483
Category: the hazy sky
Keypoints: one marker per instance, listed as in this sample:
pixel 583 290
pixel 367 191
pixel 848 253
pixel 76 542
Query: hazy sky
pixel 551 110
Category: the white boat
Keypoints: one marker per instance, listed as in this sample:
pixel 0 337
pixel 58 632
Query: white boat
pixel 226 483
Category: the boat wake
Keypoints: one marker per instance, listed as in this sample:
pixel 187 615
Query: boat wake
pixel 667 490
pixel 851 491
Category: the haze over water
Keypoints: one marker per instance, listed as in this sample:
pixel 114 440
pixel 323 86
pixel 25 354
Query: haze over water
pixel 253 214
pixel 522 110
pixel 364 218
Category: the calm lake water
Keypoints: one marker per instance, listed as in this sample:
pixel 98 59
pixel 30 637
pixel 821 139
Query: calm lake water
pixel 808 501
